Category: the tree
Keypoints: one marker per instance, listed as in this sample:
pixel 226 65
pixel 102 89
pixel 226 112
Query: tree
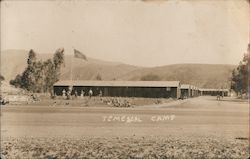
pixel 248 68
pixel 28 76
pixel 40 76
pixel 17 81
pixel 240 82
pixel 31 57
pixel 150 77
pixel 58 58
pixel 49 75
pixel 27 79
pixel 236 84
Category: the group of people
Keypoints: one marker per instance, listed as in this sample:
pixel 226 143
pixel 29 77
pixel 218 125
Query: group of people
pixel 68 94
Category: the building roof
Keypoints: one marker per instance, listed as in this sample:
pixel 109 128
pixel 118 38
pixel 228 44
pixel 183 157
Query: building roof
pixel 120 83
pixel 213 89
pixel 194 87
pixel 185 86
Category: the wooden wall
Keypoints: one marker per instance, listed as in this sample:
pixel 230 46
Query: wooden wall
pixel 147 92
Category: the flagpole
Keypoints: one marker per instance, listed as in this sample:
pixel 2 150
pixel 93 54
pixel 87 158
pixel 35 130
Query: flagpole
pixel 71 70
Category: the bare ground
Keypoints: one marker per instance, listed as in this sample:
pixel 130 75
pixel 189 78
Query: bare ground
pixel 202 128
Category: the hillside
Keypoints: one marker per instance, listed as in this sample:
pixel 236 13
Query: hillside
pixel 13 62
pixel 201 75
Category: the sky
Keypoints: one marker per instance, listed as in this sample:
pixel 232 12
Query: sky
pixel 143 33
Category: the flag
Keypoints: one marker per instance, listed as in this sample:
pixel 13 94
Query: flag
pixel 78 54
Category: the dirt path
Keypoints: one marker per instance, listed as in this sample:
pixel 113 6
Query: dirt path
pixel 200 116
pixel 194 119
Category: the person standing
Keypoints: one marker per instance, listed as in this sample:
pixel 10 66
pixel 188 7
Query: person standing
pixel 100 93
pixel 82 94
pixel 76 94
pixel 64 93
pixel 90 93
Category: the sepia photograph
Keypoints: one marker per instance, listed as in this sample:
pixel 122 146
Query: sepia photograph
pixel 124 79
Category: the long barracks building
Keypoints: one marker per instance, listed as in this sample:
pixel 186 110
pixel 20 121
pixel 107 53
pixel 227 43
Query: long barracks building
pixel 147 89
pixel 214 92
pixel 186 90
pixel 189 91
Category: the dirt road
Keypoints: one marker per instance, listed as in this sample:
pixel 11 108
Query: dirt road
pixel 198 116
pixel 193 119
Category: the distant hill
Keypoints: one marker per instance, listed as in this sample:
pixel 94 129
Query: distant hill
pixel 88 70
pixel 14 62
pixel 201 75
